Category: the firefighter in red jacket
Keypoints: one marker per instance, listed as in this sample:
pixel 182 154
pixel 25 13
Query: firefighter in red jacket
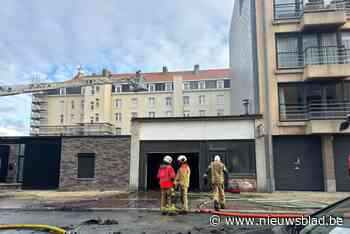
pixel 166 176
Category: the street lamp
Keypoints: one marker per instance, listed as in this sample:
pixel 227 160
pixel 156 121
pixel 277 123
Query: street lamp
pixel 345 125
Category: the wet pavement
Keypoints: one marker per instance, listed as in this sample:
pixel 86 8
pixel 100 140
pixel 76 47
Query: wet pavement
pixel 142 222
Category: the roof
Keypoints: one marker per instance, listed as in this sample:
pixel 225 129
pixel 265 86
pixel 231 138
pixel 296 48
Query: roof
pixel 200 118
pixel 186 75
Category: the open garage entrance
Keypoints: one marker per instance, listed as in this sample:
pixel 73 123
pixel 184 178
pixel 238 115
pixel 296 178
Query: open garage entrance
pixel 155 159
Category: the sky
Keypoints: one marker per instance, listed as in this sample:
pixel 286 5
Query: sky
pixel 49 39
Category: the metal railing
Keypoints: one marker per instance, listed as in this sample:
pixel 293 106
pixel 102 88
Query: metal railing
pixel 295 10
pixel 314 56
pixel 314 111
pixel 76 130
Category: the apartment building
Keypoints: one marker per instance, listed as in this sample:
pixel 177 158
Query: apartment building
pixel 292 64
pixel 108 109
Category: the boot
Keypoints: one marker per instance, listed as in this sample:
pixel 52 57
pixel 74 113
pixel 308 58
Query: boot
pixel 216 205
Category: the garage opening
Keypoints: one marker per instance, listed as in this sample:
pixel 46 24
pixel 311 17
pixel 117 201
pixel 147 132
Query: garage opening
pixel 155 159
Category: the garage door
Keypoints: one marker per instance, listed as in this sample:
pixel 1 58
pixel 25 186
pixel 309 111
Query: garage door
pixel 41 163
pixel 341 146
pixel 298 163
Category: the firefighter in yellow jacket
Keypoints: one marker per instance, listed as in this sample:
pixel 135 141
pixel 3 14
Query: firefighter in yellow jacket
pixel 183 181
pixel 217 169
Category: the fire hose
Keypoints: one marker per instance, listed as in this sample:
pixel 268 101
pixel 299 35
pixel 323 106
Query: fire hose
pixel 33 227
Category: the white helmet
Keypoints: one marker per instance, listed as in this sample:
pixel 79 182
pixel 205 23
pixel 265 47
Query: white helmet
pixel 217 158
pixel 182 159
pixel 167 159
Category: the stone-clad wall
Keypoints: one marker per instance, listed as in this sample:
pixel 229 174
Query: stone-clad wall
pixel 12 163
pixel 111 163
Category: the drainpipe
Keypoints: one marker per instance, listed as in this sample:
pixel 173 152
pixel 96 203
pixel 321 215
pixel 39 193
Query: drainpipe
pixel 267 115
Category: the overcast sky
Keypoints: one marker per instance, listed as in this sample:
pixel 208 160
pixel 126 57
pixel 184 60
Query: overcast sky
pixel 51 38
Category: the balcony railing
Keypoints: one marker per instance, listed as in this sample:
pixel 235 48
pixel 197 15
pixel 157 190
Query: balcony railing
pixel 314 56
pixel 314 111
pixel 77 130
pixel 286 11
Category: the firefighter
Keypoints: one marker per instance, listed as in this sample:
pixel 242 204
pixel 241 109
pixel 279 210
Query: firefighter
pixel 217 170
pixel 183 182
pixel 166 176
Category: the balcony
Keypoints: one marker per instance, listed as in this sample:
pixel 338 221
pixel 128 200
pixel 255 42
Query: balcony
pixel 326 62
pixel 320 15
pixel 314 14
pixel 83 129
pixel 320 117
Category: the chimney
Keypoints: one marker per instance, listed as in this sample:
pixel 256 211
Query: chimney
pixel 165 69
pixel 196 69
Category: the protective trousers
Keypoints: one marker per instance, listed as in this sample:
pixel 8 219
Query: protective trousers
pixel 165 198
pixel 218 193
pixel 184 198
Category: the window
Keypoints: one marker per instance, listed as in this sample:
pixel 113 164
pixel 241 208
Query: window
pixel 118 103
pixel 72 117
pixel 241 159
pixel 86 165
pixel 73 90
pixel 227 83
pixel 82 104
pixel 186 100
pixel 288 51
pixel 169 114
pixel 134 102
pixel 92 106
pixel 91 119
pixel 150 87
pixel 210 84
pixel 61 119
pixel 220 100
pixel 118 117
pixel 97 103
pixel 186 85
pixel 97 89
pixel 151 101
pixel 133 114
pixel 118 131
pixel 287 9
pixel 97 118
pixel 193 84
pixel 92 90
pixel 220 84
pixel 202 113
pixel 116 89
pixel 201 84
pixel 151 114
pixel 169 86
pixel 160 86
pixel 201 100
pixel 168 101
pixel 187 113
pixel 72 104
pixel 83 89
pixel 63 91
pixel 220 112
pixel 125 88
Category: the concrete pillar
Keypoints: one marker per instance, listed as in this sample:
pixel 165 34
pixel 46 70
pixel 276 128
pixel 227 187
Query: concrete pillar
pixel 134 156
pixel 328 163
pixel 178 96
pixel 260 158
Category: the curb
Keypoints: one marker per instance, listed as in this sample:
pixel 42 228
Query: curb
pixel 132 209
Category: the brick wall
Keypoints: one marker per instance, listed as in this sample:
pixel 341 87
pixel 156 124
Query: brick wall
pixel 111 163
